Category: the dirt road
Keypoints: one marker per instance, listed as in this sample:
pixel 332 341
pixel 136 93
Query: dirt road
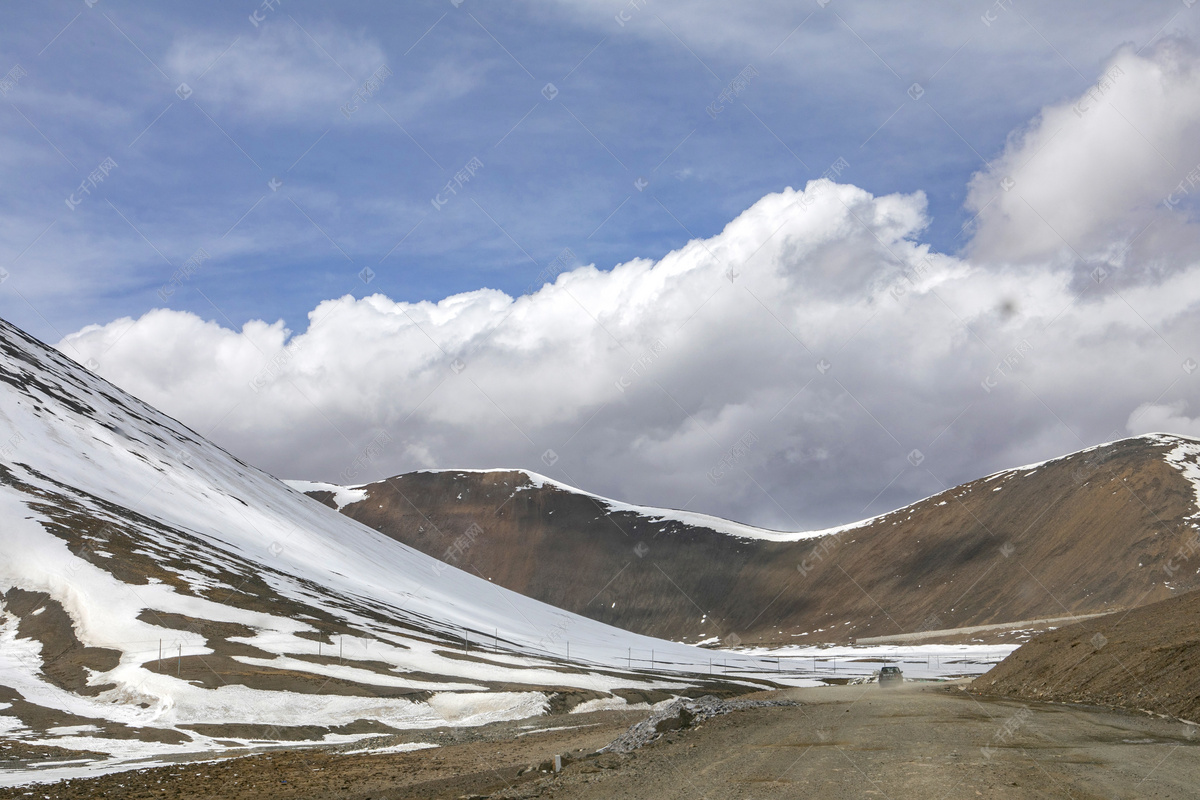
pixel 920 741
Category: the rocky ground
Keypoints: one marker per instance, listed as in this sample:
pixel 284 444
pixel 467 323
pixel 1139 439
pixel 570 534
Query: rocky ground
pixel 1146 659
pixel 920 741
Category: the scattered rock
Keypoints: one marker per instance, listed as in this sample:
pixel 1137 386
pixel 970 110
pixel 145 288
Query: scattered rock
pixel 680 715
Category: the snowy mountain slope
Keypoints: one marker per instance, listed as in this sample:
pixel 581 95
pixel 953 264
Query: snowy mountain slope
pixel 1082 533
pixel 533 481
pixel 159 596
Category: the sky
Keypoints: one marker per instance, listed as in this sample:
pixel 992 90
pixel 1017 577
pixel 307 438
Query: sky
pixel 795 264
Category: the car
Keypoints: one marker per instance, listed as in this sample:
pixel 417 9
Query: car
pixel 890 676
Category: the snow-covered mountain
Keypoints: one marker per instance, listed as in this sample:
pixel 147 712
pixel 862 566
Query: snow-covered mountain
pixel 159 596
pixel 1094 530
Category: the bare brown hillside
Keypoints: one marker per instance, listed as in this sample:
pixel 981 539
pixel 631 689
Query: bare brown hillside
pixel 1147 659
pixel 1085 533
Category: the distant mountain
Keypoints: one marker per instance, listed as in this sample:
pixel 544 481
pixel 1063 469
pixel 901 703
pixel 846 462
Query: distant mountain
pixel 1084 533
pixel 158 597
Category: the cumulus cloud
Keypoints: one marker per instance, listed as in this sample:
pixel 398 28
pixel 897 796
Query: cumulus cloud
pixel 1086 178
pixel 813 362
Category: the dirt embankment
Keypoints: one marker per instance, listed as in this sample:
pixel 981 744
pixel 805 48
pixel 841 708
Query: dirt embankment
pixel 1146 659
pixel 1021 546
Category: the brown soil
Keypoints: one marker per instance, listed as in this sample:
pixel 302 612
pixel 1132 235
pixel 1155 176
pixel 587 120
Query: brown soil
pixel 40 719
pixel 969 556
pixel 1147 659
pixel 917 741
pixel 466 763
pixel 65 659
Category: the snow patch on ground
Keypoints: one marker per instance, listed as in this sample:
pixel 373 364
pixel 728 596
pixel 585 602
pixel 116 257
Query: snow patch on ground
pixel 407 747
pixel 71 730
pixel 342 495
pixel 613 703
pixel 817 666
pixel 480 709
pixel 1186 458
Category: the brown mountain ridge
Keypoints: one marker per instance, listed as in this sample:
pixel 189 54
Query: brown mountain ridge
pixel 1094 531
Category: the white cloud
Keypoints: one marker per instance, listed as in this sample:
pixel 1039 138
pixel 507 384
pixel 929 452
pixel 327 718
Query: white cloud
pixel 1090 174
pixel 1169 417
pixel 841 344
pixel 279 71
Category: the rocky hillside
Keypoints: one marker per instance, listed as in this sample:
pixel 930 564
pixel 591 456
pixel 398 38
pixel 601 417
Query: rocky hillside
pixel 1085 533
pixel 1146 659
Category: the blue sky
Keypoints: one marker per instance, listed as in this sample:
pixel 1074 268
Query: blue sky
pixel 467 82
pixel 195 194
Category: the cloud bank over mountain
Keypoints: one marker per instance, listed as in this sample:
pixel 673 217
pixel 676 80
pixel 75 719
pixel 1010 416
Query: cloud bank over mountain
pixel 812 363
